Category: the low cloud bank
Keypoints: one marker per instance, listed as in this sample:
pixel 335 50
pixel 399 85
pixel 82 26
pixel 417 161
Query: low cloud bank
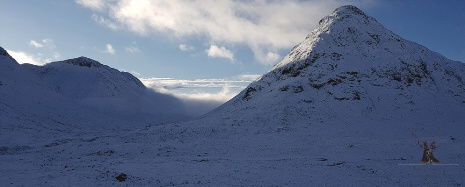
pixel 201 95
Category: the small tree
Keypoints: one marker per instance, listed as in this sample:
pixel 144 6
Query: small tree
pixel 428 156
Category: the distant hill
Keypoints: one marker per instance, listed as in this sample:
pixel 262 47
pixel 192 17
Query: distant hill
pixel 81 92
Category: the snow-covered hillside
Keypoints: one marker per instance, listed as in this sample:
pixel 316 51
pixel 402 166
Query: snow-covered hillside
pixel 335 111
pixel 86 91
pixel 65 98
pixel 350 66
pixel 107 90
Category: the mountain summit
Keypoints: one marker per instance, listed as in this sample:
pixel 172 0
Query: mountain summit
pixel 347 31
pixel 84 61
pixel 351 66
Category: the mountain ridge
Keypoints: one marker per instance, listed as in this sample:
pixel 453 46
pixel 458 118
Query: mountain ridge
pixel 105 81
pixel 83 61
pixel 57 90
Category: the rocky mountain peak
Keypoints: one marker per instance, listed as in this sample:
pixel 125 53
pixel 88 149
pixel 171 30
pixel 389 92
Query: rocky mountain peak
pixel 3 52
pixel 352 61
pixel 348 15
pixel 348 10
pixel 84 61
pixel 346 32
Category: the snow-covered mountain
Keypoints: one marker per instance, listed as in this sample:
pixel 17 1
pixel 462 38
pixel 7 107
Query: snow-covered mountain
pixel 336 110
pixel 346 97
pixel 81 92
pixel 351 66
pixel 108 90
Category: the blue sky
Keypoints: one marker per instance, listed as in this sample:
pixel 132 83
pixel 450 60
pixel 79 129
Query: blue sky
pixel 204 49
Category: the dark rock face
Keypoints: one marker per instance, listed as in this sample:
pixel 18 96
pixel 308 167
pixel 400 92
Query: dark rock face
pixel 84 61
pixel 3 52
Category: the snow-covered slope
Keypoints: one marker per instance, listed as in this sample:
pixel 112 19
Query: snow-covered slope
pixel 74 97
pixel 107 90
pixel 78 93
pixel 336 111
pixel 349 67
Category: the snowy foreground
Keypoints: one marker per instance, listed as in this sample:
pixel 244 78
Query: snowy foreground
pixel 336 111
pixel 228 152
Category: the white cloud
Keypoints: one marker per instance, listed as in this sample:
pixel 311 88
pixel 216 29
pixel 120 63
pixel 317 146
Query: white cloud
pixel 268 59
pixel 265 26
pixel 218 90
pixel 221 52
pixel 135 73
pixel 200 95
pixel 222 96
pixel 132 49
pixel 105 22
pixel 96 5
pixel 248 77
pixel 49 43
pixel 35 44
pixel 110 49
pixel 39 58
pixel 185 47
pixel 45 43
pixel 165 84
pixel 25 58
